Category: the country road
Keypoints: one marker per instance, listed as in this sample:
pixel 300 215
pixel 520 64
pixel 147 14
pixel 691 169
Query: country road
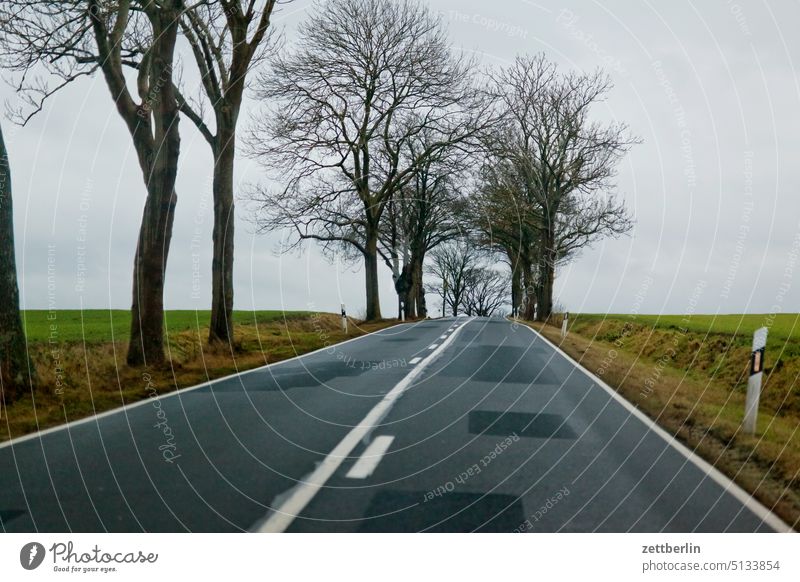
pixel 454 424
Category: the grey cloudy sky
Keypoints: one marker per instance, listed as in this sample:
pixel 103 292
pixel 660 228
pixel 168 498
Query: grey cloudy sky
pixel 709 86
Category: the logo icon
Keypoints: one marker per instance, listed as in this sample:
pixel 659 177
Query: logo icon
pixel 31 555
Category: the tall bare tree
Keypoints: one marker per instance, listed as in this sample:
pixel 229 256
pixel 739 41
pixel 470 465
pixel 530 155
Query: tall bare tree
pixel 16 371
pixel 227 38
pixel 364 78
pixel 76 38
pixel 505 223
pixel 564 162
pixel 428 212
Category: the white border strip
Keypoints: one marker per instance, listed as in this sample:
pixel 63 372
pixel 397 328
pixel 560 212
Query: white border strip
pixel 301 495
pixel 126 407
pixel 750 502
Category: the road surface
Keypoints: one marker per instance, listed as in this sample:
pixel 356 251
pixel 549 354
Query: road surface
pixel 454 424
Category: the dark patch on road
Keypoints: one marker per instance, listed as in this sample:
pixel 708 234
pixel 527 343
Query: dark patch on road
pixel 405 512
pixel 509 364
pixel 538 426
pixel 7 515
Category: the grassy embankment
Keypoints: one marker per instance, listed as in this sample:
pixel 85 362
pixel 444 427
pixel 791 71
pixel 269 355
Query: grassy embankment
pixel 690 375
pixel 80 358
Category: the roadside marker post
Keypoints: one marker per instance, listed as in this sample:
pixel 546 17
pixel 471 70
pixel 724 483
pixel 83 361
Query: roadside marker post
pixel 564 325
pixel 344 319
pixel 754 381
pixel 402 311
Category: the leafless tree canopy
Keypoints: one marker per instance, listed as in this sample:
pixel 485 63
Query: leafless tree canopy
pixel 557 164
pixel 365 78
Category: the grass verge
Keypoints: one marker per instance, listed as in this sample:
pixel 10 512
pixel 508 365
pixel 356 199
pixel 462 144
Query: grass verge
pixel 83 372
pixel 692 384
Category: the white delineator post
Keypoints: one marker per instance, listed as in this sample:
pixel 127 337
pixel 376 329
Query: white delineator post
pixel 564 325
pixel 344 319
pixel 754 381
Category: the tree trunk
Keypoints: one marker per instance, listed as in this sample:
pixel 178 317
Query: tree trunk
pixel 516 283
pixel 371 275
pixel 405 292
pixel 147 311
pixel 422 308
pixel 16 372
pixel 527 292
pixel 221 329
pixel 159 162
pixel 546 277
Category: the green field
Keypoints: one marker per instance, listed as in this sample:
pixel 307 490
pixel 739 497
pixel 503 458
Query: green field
pixel 102 325
pixel 781 327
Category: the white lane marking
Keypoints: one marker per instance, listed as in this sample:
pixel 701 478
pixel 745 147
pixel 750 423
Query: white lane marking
pixel 413 361
pixel 125 408
pixel 302 494
pixel 443 336
pixel 433 346
pixel 369 460
pixel 712 472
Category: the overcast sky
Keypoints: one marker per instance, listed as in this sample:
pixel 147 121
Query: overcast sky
pixel 710 87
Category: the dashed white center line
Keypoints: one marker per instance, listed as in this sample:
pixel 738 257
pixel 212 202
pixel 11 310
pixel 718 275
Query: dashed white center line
pixel 443 336
pixel 433 346
pixel 366 464
pixel 292 504
pixel 413 361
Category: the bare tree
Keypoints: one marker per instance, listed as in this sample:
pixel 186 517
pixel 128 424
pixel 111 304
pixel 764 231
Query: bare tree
pixel 428 212
pixel 563 162
pixel 227 39
pixel 486 291
pixel 452 265
pixel 365 77
pixel 16 371
pixel 505 224
pixel 76 38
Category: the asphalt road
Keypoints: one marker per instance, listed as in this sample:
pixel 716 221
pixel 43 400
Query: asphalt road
pixel 443 425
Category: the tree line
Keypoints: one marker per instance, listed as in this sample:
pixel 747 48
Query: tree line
pixel 379 141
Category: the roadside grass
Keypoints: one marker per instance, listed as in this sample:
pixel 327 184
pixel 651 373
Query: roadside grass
pixel 82 372
pixel 781 326
pixel 68 325
pixel 693 383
